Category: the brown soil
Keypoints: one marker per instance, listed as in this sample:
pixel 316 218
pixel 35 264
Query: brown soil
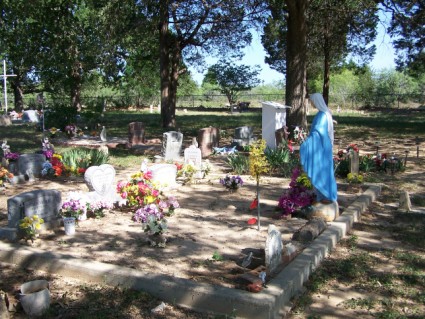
pixel 210 221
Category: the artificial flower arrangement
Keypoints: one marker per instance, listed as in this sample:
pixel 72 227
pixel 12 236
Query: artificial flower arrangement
pixel 299 135
pixel 153 205
pixel 72 130
pixel 54 167
pixel 353 178
pixel 5 175
pixel 299 194
pixel 73 207
pixel 231 183
pixel 30 225
pixel 11 156
pixel 98 208
pixel 53 131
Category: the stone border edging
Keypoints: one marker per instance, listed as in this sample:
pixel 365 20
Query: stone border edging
pixel 272 302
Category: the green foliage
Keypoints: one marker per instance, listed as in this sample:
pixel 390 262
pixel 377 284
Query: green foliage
pixel 277 158
pixel 60 115
pixel 231 78
pixel 217 256
pixel 83 158
pixel 239 163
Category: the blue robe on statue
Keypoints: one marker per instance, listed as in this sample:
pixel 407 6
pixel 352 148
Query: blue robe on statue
pixel 317 159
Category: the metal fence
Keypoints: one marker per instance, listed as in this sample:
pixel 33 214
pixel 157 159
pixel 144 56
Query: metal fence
pixel 220 101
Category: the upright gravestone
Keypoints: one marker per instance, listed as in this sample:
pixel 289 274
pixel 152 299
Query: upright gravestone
pixel 136 133
pixel 404 203
pixel 244 136
pixel 30 116
pixel 30 165
pixel 192 155
pixel 208 138
pixel 44 203
pixel 274 247
pixel 101 182
pixel 172 144
pixel 5 120
pixel 354 162
pixel 164 174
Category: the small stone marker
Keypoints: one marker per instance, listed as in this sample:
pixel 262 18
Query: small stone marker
pixel 30 165
pixel 326 211
pixel 103 136
pixel 354 162
pixel 44 203
pixel 136 133
pixel 172 143
pixel 208 138
pixel 244 136
pixel 404 204
pixel 30 116
pixel 193 155
pixel 273 249
pixel 164 174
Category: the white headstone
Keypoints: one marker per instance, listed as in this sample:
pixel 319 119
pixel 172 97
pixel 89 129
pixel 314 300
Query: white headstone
pixel 172 144
pixel 30 116
pixel 404 204
pixel 100 179
pixel 193 155
pixel 273 249
pixel 164 174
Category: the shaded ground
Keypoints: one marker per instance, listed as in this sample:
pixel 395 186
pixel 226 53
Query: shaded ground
pixel 210 220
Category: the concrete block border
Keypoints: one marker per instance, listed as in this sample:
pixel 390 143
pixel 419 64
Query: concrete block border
pixel 272 302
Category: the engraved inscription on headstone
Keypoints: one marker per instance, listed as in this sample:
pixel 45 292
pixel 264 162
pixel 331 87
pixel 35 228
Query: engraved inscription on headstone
pixel 193 155
pixel 273 249
pixel 31 164
pixel 44 203
pixel 172 143
pixel 100 178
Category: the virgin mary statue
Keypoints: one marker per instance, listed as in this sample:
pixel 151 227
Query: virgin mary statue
pixel 316 152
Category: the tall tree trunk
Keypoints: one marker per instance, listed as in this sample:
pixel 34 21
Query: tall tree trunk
pixel 18 93
pixel 76 86
pixel 296 64
pixel 164 64
pixel 175 73
pixel 326 73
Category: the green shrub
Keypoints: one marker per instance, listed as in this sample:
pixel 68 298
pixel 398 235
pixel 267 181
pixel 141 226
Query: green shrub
pixel 239 163
pixel 277 158
pixel 83 158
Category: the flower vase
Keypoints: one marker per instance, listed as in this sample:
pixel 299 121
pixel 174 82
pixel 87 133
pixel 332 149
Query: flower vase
pixel 157 239
pixel 35 297
pixel 69 225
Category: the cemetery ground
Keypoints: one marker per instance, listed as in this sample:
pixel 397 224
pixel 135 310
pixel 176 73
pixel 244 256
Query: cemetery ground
pixel 378 271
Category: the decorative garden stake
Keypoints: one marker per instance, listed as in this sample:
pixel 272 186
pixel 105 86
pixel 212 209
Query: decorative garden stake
pixel 258 165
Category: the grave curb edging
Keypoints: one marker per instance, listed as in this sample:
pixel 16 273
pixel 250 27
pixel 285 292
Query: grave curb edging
pixel 272 302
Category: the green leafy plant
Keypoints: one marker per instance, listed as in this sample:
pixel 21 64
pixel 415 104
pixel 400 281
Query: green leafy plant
pixel 353 178
pixel 77 160
pixel 239 163
pixel 217 256
pixel 277 158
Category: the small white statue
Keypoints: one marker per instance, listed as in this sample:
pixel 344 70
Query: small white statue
pixel 103 134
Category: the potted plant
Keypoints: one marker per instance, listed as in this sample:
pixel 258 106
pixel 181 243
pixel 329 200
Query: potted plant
pixel 153 222
pixel 71 211
pixel 231 183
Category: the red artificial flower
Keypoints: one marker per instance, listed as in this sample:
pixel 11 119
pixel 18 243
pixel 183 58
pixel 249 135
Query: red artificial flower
pixel 291 148
pixel 179 166
pixel 147 175
pixel 254 204
pixel 81 170
pixel 252 221
pixel 58 170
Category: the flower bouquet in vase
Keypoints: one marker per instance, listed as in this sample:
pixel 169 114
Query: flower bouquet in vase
pixel 231 183
pixel 153 222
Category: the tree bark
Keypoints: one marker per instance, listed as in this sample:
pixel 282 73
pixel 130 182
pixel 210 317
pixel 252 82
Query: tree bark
pixel 76 86
pixel 18 93
pixel 326 73
pixel 296 63
pixel 164 64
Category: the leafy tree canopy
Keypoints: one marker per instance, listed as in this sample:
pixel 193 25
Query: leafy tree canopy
pixel 231 78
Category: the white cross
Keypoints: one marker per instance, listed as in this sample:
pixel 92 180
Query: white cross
pixel 5 76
